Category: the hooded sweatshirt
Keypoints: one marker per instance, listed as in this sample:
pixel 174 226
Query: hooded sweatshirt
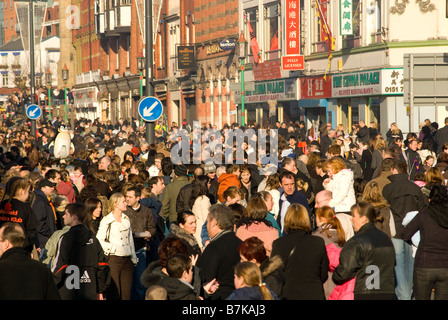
pixel 227 180
pixel 433 246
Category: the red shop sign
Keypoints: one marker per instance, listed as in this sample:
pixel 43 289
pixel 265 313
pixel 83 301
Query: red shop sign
pixel 292 28
pixel 315 87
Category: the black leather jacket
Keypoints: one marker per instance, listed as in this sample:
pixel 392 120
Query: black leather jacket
pixel 370 257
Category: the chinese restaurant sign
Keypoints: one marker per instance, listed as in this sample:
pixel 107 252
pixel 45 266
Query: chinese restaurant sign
pixel 315 87
pixel 346 19
pixel 367 83
pixel 292 28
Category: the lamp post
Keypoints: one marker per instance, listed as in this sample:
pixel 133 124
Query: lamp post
pixel 48 79
pixel 150 126
pixel 141 67
pixel 65 74
pixel 242 42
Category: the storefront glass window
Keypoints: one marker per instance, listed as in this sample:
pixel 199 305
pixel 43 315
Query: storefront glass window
pixel 374 108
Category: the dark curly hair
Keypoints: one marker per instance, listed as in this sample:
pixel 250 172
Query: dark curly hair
pixel 438 196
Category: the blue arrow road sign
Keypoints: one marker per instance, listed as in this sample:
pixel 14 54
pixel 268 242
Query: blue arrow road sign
pixel 33 111
pixel 150 108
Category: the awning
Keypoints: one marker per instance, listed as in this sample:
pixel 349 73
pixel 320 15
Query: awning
pixel 313 103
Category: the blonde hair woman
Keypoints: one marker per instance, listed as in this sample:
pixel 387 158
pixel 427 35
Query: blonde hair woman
pixel 304 277
pixel 377 155
pixel 249 284
pixel 340 183
pixel 373 194
pixel 115 236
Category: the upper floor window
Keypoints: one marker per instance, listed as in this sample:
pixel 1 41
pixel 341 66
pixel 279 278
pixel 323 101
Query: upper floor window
pixel 5 81
pixel 351 24
pixel 250 18
pixel 272 34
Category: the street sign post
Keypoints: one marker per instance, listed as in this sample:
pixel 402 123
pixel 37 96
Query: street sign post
pixel 150 109
pixel 33 111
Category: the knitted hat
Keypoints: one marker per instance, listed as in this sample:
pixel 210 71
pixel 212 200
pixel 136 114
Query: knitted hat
pixel 180 170
pixel 209 167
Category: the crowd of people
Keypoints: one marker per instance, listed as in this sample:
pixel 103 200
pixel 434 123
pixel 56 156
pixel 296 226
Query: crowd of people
pixel 341 214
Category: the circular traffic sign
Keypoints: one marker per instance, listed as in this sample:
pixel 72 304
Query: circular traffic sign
pixel 150 108
pixel 33 111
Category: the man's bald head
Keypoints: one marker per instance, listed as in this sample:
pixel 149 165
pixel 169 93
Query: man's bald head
pixel 323 198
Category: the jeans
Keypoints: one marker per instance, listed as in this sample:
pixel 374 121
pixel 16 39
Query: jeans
pixel 138 290
pixel 427 279
pixel 404 268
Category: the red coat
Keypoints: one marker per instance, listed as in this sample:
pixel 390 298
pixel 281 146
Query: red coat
pixel 66 189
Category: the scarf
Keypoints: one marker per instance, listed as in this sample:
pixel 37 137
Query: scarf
pixel 54 210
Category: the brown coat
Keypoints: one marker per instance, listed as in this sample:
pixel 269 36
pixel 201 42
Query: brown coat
pixel 34 157
pixel 382 179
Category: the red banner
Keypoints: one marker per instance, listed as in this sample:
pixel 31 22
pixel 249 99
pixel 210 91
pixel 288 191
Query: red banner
pixel 315 87
pixel 292 28
pixel 254 44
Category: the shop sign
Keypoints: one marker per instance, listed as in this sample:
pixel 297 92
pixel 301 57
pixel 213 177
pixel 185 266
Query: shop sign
pixel 315 87
pixel 346 12
pixel 267 70
pixel 392 81
pixel 186 57
pixel 368 83
pixel 227 45
pixel 292 63
pixel 292 27
pixel 160 87
pixel 214 48
pixel 276 90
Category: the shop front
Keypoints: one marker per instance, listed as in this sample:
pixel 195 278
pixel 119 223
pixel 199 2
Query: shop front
pixel 365 95
pixel 270 101
pixel 313 103
pixel 85 102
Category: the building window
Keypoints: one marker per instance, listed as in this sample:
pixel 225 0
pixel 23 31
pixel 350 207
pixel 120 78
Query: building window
pixel 373 21
pixel 118 53
pixel 128 52
pixel 319 31
pixel 272 36
pixel 356 18
pixel 108 54
pixel 251 25
pixel 5 81
pixel 354 40
pixel 4 60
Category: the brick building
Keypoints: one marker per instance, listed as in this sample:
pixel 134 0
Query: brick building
pixel 200 91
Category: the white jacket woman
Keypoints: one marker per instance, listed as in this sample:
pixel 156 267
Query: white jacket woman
pixel 340 184
pixel 116 237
